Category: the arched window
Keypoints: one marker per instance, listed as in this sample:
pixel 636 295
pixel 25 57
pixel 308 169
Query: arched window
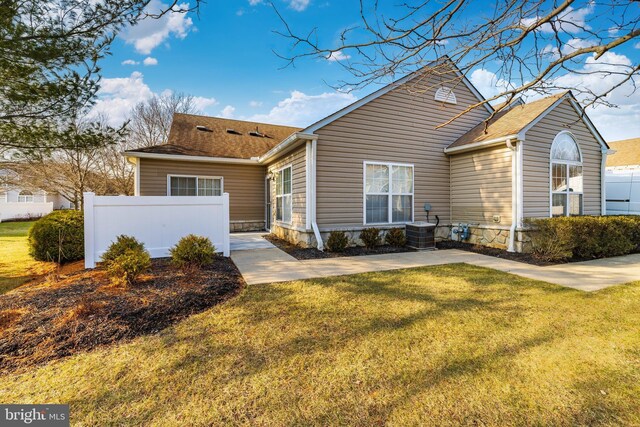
pixel 25 196
pixel 566 176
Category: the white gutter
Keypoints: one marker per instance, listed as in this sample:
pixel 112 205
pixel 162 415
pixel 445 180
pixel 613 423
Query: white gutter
pixel 288 143
pixel 179 157
pixel 312 199
pixel 481 144
pixel 514 194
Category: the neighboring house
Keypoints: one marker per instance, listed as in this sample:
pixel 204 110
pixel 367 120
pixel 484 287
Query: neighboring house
pixel 17 203
pixel 378 161
pixel 626 156
pixel 26 203
pixel 623 177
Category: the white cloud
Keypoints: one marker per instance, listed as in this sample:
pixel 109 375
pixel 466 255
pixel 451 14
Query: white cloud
pixel 117 96
pixel 255 104
pixel 150 32
pixel 338 55
pixel 598 76
pixel 637 45
pixel 570 21
pixel 202 103
pixel 255 2
pixel 300 109
pixel 227 112
pixel 129 62
pixel 488 83
pixel 550 51
pixel 298 5
pixel 575 44
pixel 150 61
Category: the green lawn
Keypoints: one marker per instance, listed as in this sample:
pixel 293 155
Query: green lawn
pixel 447 345
pixel 16 266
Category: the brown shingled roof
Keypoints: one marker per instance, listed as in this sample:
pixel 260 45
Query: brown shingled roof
pixel 216 141
pixel 627 153
pixel 508 122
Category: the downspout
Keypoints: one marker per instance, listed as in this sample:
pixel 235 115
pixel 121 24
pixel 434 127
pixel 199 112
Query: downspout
pixel 514 194
pixel 603 187
pixel 312 199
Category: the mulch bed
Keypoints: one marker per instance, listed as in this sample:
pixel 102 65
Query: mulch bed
pixel 499 253
pixel 44 321
pixel 313 253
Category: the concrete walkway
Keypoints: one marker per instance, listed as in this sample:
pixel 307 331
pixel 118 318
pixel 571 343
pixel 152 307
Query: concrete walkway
pixel 247 241
pixel 273 265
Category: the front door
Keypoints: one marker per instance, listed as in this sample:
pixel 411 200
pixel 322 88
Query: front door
pixel 267 191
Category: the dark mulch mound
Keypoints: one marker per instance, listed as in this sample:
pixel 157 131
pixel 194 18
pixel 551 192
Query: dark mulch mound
pixel 495 252
pixel 79 312
pixel 313 253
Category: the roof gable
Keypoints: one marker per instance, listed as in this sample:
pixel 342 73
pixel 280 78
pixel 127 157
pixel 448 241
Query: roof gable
pixel 394 85
pixel 517 120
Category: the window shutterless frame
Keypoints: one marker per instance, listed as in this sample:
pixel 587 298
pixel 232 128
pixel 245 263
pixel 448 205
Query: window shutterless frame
pixel 390 194
pixel 566 164
pixel 277 179
pixel 196 178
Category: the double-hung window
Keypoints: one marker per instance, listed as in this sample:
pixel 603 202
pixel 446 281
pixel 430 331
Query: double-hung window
pixel 25 197
pixel 195 185
pixel 566 176
pixel 284 206
pixel 388 193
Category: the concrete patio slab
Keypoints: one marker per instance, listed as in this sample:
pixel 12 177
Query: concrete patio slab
pixel 273 265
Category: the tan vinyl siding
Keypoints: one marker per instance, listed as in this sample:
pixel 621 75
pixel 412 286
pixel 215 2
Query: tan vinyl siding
pixel 396 127
pixel 244 183
pixel 481 186
pixel 536 161
pixel 297 160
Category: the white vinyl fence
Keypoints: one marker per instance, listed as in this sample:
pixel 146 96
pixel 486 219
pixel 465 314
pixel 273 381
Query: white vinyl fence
pixel 24 210
pixel 157 221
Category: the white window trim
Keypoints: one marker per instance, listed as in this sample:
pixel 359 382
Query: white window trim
pixel 169 176
pixel 565 163
pixel 275 194
pixel 390 193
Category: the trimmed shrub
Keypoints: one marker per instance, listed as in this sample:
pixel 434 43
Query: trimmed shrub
pixel 125 268
pixel 371 237
pixel 193 252
pixel 122 244
pixel 551 240
pixel 58 237
pixel 395 237
pixel 125 260
pixel 337 241
pixel 587 237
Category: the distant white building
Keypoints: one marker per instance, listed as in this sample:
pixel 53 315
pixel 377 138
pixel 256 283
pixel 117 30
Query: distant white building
pixel 27 203
pixel 623 178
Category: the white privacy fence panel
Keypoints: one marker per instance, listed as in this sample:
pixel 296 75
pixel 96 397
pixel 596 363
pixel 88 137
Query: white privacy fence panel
pixel 24 210
pixel 157 221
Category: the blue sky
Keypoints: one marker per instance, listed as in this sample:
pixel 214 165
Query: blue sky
pixel 225 57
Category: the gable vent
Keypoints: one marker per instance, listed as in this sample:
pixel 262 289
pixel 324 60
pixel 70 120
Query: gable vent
pixel 234 132
pixel 203 128
pixel 445 94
